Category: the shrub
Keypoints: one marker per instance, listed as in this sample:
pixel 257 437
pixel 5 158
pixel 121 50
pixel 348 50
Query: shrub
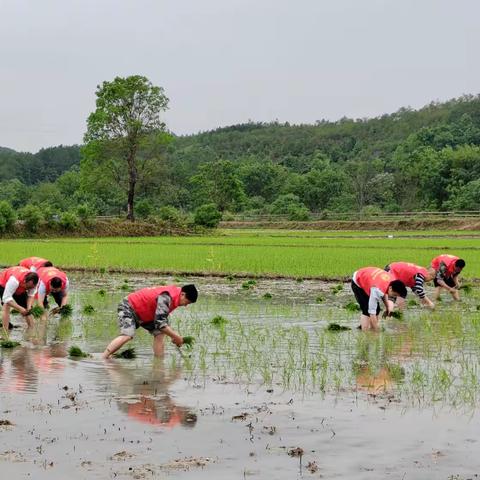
pixel 86 213
pixel 207 216
pixel 69 221
pixel 7 216
pixel 169 214
pixel 32 216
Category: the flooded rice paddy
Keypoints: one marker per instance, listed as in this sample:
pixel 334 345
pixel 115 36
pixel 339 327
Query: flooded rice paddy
pixel 266 392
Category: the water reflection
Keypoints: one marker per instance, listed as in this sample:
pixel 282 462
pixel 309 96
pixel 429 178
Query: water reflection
pixel 24 368
pixel 144 397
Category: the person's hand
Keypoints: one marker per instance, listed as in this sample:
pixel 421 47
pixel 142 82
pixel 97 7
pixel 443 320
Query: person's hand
pixel 177 340
pixel 24 312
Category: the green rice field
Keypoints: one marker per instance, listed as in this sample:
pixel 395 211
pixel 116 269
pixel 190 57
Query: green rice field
pixel 282 253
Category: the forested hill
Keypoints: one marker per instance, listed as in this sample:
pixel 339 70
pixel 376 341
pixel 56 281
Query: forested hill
pixel 411 159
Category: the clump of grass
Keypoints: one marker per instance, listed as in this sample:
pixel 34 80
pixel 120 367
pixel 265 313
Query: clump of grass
pixel 335 327
pixel 76 352
pixel 102 270
pixel 397 314
pixel 88 309
pixel 320 299
pixel 37 311
pixel 9 343
pixel 188 341
pixel 352 307
pixel 218 321
pixel 267 296
pixel 299 280
pixel 336 289
pixel 127 353
pixel 102 292
pixel 66 310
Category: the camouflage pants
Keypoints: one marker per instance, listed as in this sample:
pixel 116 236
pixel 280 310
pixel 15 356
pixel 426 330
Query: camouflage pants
pixel 128 321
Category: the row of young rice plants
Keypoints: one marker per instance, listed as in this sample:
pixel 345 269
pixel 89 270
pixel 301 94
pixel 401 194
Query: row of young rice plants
pixel 294 257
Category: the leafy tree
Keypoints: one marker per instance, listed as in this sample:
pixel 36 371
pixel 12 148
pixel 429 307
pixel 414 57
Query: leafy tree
pixel 218 181
pixel 32 216
pixel 7 216
pixel 127 112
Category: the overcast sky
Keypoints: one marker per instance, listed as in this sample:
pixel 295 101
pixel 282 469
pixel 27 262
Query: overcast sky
pixel 223 62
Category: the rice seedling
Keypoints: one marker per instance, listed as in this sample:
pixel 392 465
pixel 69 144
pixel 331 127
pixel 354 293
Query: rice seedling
pixel 412 302
pixel 65 310
pixel 467 288
pixel 188 341
pixel 76 352
pixel 218 321
pixel 125 286
pixel 336 289
pixel 37 311
pixel 319 299
pixel 88 309
pixel 397 314
pixel 9 343
pixel 267 296
pixel 128 353
pixel 335 327
pixel 352 307
pixel 102 292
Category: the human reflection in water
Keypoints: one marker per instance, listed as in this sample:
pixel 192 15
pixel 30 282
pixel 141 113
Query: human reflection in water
pixel 25 367
pixel 146 399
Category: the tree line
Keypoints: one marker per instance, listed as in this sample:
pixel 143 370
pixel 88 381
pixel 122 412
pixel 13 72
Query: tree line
pixel 426 159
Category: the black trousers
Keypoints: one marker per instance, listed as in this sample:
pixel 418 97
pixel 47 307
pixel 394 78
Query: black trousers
pixel 21 298
pixel 362 299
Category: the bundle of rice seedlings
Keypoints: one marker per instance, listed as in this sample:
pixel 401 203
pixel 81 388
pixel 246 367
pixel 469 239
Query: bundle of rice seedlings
pixel 127 353
pixel 37 311
pixel 9 343
pixel 65 311
pixel 77 352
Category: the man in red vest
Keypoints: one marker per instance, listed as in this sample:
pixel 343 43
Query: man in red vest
pixel 371 285
pixel 17 290
pixel 34 263
pixel 52 281
pixel 447 268
pixel 150 308
pixel 414 277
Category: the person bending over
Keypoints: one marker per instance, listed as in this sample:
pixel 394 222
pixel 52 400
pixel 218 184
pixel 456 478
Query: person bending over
pixel 370 285
pixel 150 308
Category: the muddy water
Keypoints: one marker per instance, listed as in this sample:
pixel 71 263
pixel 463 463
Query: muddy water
pixel 143 418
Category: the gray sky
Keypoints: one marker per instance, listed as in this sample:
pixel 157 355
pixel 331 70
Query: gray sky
pixel 223 62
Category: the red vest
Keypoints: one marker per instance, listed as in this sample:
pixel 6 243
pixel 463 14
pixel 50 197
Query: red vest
pixel 448 260
pixel 144 301
pixel 369 277
pixel 36 262
pixel 406 272
pixel 46 274
pixel 18 272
